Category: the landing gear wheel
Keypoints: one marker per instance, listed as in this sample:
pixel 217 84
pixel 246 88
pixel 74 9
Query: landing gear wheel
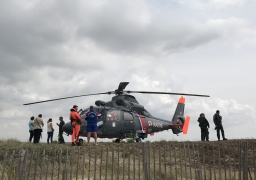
pixel 138 140
pixel 118 140
pixel 81 141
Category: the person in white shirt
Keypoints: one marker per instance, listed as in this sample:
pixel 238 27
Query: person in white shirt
pixel 38 125
pixel 49 130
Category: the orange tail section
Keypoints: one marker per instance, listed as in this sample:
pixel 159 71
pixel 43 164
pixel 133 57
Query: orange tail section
pixel 186 124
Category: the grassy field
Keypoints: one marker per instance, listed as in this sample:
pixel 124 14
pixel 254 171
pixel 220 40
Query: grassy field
pixel 157 160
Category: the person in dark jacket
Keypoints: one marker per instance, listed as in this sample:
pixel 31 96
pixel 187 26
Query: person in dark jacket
pixel 217 119
pixel 204 125
pixel 61 124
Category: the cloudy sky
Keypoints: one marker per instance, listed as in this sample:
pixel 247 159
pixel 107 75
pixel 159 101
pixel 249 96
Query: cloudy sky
pixel 58 48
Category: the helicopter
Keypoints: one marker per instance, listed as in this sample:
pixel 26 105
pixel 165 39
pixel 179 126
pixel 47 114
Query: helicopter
pixel 123 117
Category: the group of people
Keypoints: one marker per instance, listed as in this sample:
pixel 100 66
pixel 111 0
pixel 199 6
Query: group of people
pixel 204 125
pixel 36 128
pixel 91 117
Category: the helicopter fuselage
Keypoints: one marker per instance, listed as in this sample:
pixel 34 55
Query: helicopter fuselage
pixel 124 122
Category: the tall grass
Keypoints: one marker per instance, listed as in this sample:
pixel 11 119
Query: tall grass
pixel 11 140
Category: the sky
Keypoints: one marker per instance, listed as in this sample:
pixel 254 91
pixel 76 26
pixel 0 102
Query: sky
pixel 59 48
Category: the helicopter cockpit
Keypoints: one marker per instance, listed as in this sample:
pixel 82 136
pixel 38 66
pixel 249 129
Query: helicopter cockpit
pixel 113 115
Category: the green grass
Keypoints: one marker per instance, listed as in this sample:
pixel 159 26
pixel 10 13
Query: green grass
pixel 11 140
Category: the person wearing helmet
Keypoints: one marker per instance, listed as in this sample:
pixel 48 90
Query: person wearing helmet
pixel 204 125
pixel 75 121
pixel 217 119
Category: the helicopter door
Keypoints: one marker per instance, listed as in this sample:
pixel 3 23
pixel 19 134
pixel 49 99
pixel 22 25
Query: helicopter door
pixel 112 124
pixel 128 123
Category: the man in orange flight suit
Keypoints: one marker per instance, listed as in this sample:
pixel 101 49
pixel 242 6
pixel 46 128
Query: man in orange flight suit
pixel 75 121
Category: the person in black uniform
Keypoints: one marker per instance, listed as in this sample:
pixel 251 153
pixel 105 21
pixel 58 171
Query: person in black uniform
pixel 204 125
pixel 217 119
pixel 61 139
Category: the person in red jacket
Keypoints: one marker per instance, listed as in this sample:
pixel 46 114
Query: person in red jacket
pixel 75 121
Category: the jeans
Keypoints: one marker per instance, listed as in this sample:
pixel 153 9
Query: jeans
pixel 204 134
pixel 37 134
pixel 218 129
pixel 50 136
pixel 61 139
pixel 31 135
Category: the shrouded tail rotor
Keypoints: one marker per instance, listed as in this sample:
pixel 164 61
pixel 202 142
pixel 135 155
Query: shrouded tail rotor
pixel 185 125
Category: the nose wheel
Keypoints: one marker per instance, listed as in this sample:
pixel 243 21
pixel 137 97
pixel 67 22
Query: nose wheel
pixel 138 140
pixel 81 141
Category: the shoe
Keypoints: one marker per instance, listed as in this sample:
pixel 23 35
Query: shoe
pixel 78 144
pixel 218 139
pixel 73 144
pixel 225 139
pixel 207 140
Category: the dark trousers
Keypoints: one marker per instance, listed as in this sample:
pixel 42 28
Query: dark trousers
pixel 204 134
pixel 37 134
pixel 61 139
pixel 218 129
pixel 31 135
pixel 50 135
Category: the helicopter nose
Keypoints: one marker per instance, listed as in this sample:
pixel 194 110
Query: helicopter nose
pixel 67 128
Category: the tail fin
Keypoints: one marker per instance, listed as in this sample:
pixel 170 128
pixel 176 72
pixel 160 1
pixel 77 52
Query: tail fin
pixel 185 125
pixel 178 116
pixel 179 112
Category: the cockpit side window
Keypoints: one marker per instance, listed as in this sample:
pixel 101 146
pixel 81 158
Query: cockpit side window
pixel 113 115
pixel 128 116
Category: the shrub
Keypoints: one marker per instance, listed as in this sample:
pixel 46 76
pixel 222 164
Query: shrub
pixel 130 140
pixel 125 154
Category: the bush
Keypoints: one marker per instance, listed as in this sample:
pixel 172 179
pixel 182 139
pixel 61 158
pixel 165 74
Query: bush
pixel 130 140
pixel 125 154
pixel 11 140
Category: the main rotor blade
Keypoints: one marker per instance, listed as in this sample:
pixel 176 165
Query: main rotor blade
pixel 67 98
pixel 122 85
pixel 148 92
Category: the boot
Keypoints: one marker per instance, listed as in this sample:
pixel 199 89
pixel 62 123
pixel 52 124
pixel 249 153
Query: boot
pixel 73 144
pixel 225 139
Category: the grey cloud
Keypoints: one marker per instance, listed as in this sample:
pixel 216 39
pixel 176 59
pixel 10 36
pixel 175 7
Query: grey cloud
pixel 52 49
pixel 130 37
